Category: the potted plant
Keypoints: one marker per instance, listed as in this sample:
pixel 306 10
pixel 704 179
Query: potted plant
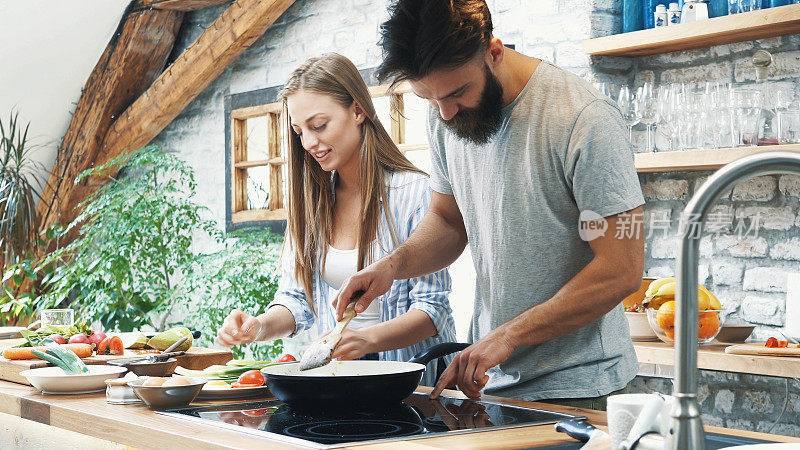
pixel 19 175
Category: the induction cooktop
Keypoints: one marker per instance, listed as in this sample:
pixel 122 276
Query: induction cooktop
pixel 416 417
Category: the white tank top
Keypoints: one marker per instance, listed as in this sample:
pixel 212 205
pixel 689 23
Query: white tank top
pixel 340 265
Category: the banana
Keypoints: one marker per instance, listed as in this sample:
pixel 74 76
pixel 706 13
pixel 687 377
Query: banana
pixel 666 292
pixel 713 301
pixel 656 285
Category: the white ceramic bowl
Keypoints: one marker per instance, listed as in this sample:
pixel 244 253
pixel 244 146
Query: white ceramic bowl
pixel 640 328
pixel 53 380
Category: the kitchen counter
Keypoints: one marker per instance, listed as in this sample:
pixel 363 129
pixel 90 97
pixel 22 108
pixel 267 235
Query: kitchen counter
pixel 713 357
pixel 137 426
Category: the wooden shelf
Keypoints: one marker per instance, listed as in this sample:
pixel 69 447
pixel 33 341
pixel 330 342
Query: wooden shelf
pixel 765 23
pixel 713 357
pixel 700 159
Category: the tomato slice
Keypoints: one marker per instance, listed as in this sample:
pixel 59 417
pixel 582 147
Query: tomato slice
pixel 236 384
pixel 255 412
pixel 772 343
pixel 287 358
pixel 252 377
pixel 783 344
pixel 102 347
pixel 115 346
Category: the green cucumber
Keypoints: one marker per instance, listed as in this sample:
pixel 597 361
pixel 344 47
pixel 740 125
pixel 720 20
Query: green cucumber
pixel 67 356
pixel 53 360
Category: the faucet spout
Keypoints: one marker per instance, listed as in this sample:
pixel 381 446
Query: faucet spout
pixel 687 427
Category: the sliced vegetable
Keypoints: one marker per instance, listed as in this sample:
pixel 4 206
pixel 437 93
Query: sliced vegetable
pixel 102 347
pixel 252 377
pixel 115 346
pixel 82 350
pixel 783 344
pixel 287 358
pixel 236 384
pixel 772 343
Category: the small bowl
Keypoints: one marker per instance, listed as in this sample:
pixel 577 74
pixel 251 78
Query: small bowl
pixel 733 333
pixel 161 397
pixel 710 323
pixel 152 369
pixel 640 327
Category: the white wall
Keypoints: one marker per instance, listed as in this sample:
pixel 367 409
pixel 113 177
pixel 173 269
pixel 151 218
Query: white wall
pixel 48 48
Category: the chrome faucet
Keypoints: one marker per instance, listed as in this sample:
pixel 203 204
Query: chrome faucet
pixel 686 431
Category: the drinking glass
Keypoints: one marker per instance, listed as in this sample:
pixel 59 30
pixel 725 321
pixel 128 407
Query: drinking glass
pixel 59 318
pixel 647 109
pixel 789 126
pixel 746 104
pixel 668 113
pixel 627 105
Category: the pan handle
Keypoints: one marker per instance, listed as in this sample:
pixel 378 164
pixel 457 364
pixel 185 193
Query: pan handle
pixel 437 351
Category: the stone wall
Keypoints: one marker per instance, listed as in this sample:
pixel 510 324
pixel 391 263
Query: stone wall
pixel 748 274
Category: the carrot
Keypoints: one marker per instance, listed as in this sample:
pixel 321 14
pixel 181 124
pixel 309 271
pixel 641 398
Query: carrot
pixel 82 350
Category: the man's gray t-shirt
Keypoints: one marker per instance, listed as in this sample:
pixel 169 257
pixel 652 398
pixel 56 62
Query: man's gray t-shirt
pixel 562 149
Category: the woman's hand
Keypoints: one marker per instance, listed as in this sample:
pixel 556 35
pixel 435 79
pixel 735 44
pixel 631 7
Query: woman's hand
pixel 354 344
pixel 238 328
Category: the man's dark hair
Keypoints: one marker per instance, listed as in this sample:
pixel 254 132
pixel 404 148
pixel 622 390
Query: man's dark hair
pixel 426 35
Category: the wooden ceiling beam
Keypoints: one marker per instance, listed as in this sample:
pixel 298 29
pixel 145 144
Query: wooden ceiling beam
pixel 134 57
pixel 226 38
pixel 180 5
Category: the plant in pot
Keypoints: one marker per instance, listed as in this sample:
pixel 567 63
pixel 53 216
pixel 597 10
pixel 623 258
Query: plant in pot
pixel 19 177
pixel 134 243
pixel 244 275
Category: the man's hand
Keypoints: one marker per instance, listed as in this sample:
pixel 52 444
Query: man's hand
pixel 354 345
pixel 373 280
pixel 238 328
pixel 468 369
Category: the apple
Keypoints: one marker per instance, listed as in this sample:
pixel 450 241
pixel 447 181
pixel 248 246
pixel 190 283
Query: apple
pixel 97 337
pixel 79 338
pixel 57 338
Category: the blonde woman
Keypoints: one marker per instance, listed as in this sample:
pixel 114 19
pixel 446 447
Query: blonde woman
pixel 353 197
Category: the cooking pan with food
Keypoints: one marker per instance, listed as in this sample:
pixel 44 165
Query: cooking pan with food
pixel 353 383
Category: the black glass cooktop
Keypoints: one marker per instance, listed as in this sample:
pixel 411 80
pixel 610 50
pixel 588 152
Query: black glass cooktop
pixel 417 417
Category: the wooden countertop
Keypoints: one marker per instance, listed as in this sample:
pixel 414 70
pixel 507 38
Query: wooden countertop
pixel 137 426
pixel 713 357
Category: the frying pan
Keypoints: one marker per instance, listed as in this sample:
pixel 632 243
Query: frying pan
pixel 353 383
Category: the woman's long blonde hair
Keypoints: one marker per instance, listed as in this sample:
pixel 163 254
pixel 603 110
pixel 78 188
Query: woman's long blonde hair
pixel 310 224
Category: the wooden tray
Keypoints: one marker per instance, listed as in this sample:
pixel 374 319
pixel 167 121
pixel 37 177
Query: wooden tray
pixel 196 358
pixel 759 349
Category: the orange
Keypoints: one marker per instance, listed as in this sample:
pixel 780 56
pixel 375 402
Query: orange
pixel 708 326
pixel 666 318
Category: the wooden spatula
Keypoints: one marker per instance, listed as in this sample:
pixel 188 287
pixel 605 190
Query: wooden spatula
pixel 319 352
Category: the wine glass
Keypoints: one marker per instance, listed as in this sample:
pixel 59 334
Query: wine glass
pixel 627 105
pixel 668 113
pixel 647 110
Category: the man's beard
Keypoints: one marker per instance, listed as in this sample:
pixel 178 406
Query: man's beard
pixel 480 123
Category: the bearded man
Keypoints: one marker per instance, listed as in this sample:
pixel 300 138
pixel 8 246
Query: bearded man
pixel 524 154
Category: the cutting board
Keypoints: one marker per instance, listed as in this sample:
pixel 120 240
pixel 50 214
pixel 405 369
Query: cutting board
pixel 196 358
pixel 760 349
pixel 10 332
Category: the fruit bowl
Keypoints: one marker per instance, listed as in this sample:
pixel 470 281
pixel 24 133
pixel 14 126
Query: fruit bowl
pixel 663 324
